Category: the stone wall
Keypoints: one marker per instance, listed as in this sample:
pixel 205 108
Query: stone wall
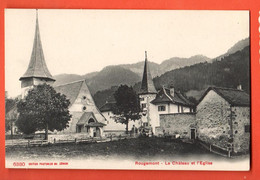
pixel 213 120
pixel 177 123
pixel 241 118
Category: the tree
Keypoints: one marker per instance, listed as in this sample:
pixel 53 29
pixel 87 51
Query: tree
pixel 127 105
pixel 10 112
pixel 43 109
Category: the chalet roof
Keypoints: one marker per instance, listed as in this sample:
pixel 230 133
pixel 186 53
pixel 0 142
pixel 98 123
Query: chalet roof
pixel 108 106
pixel 70 90
pixel 147 86
pixel 164 96
pixel 85 118
pixel 234 97
pixel 37 66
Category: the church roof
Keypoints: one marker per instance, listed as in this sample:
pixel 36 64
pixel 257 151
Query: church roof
pixel 37 66
pixel 234 97
pixel 147 86
pixel 164 96
pixel 70 90
pixel 85 118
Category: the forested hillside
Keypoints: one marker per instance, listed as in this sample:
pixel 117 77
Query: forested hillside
pixel 229 71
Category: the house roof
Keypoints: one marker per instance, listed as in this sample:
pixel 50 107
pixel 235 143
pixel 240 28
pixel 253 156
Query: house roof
pixel 70 90
pixel 37 66
pixel 164 96
pixel 85 118
pixel 147 86
pixel 234 97
pixel 108 106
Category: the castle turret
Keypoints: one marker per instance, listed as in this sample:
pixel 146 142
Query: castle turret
pixel 147 93
pixel 37 71
pixel 147 86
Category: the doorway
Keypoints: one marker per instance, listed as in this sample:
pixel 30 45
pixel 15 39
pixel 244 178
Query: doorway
pixel 193 133
pixel 97 134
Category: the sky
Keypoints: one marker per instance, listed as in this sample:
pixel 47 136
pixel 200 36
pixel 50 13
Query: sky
pixel 83 41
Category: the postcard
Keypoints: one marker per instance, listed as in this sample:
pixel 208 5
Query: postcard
pixel 127 89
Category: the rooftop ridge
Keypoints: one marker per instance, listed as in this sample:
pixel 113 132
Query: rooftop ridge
pixel 226 88
pixel 82 80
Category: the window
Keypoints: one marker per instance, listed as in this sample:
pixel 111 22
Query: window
pixel 141 99
pixel 145 124
pixel 247 128
pixel 91 120
pixel 84 108
pixel 161 108
pixel 143 106
pixel 84 97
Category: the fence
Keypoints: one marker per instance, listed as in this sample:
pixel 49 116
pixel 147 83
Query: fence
pixel 214 148
pixel 41 142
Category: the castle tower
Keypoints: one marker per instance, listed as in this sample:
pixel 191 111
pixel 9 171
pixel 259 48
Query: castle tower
pixel 37 71
pixel 147 93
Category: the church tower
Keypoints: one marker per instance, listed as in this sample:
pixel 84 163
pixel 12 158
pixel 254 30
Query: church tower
pixel 37 71
pixel 147 93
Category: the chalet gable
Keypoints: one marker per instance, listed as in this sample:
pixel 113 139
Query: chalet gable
pixel 166 96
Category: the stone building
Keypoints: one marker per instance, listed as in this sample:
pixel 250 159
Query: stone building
pixel 223 119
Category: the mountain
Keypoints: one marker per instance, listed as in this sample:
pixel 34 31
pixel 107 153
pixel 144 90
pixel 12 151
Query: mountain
pixel 127 73
pixel 132 73
pixel 167 65
pixel 112 76
pixel 176 62
pixel 138 68
pixel 236 47
pixel 230 71
pixel 66 78
pixel 88 76
pixel 239 46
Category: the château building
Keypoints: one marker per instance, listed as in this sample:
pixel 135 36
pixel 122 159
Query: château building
pixel 165 101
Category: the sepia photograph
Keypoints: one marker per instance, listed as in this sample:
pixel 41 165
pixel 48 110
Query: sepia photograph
pixel 127 89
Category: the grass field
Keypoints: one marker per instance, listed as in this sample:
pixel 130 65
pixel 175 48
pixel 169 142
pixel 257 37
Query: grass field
pixel 144 148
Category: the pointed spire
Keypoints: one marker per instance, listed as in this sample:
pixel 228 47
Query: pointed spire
pixel 147 86
pixel 37 66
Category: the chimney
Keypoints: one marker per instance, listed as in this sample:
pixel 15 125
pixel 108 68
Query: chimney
pixel 172 91
pixel 239 87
